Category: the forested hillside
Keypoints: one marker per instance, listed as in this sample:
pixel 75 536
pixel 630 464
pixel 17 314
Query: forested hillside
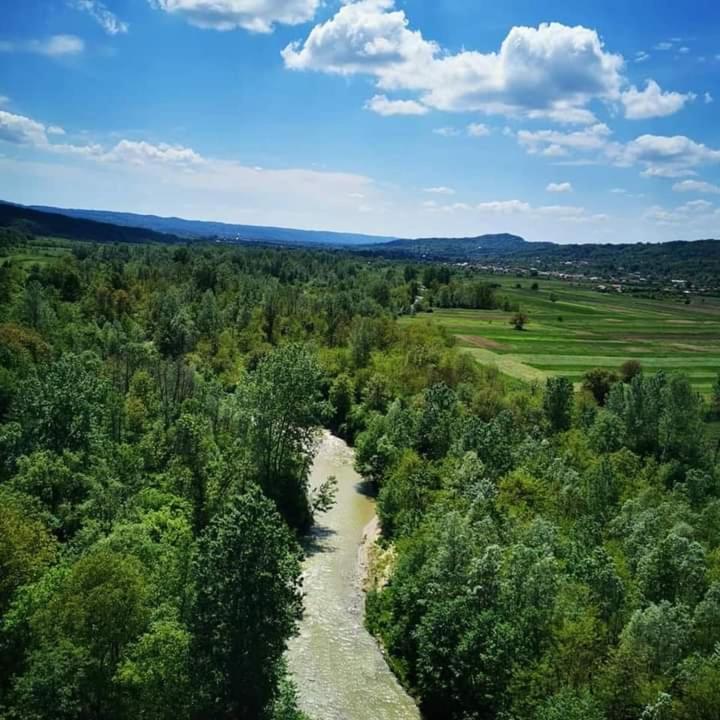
pixel 546 554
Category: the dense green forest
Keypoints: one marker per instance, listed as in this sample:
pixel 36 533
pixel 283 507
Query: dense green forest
pixel 549 554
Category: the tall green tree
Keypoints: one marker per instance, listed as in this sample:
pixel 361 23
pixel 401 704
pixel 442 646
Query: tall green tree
pixel 247 576
pixel 558 402
pixel 283 408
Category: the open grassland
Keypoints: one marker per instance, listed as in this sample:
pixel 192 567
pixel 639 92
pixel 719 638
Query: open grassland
pixel 40 252
pixel 572 329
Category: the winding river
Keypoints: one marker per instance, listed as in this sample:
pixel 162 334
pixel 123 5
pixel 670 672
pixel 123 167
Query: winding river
pixel 337 665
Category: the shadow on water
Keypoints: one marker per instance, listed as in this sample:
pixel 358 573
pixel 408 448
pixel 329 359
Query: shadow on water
pixel 316 541
pixel 367 488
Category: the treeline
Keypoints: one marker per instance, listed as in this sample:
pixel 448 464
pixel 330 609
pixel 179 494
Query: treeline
pixel 444 286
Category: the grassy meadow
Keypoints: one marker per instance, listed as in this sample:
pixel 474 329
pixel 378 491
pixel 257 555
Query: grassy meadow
pixel 41 251
pixel 572 329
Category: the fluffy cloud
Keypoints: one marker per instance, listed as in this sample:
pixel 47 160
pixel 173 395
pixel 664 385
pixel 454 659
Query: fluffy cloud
pixel 253 15
pixel 365 37
pixel 21 130
pixel 544 70
pixel 664 156
pixel 554 143
pixel 381 105
pixel 107 20
pixel 653 102
pixel 143 153
pixel 659 155
pixel 54 46
pixel 697 186
pixel 641 56
pixel 552 71
pixel 564 187
pixel 478 130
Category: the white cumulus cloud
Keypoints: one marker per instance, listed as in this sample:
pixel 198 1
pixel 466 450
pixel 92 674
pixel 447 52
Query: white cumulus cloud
pixel 550 71
pixel 563 187
pixel 555 143
pixel 381 105
pixel 668 156
pixel 478 130
pixel 697 186
pixel 21 130
pixel 253 15
pixel 653 102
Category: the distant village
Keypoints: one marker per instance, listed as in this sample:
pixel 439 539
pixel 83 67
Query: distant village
pixel 617 283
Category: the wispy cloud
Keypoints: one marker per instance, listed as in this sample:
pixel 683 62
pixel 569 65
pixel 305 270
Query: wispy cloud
pixel 107 20
pixel 53 46
pixel 440 190
pixel 446 131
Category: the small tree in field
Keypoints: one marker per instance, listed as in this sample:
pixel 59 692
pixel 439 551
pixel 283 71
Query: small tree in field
pixel 629 369
pixel 519 320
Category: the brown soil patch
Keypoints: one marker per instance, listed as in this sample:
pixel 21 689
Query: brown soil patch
pixel 693 348
pixel 482 342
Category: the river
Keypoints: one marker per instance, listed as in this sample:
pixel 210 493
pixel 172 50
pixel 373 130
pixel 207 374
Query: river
pixel 337 666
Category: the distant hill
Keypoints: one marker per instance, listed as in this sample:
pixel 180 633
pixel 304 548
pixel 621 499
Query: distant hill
pixel 202 229
pixel 499 245
pixel 697 260
pixel 54 224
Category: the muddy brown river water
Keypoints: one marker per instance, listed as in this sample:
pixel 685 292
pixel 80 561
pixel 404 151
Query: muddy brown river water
pixel 337 665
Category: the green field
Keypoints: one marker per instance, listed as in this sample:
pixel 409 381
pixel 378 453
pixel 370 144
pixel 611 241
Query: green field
pixel 41 252
pixel 584 329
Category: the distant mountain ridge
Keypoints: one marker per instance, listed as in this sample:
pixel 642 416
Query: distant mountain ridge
pixel 39 222
pixel 478 246
pixel 677 260
pixel 203 229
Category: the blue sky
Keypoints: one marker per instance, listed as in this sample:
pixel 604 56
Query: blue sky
pixel 567 121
